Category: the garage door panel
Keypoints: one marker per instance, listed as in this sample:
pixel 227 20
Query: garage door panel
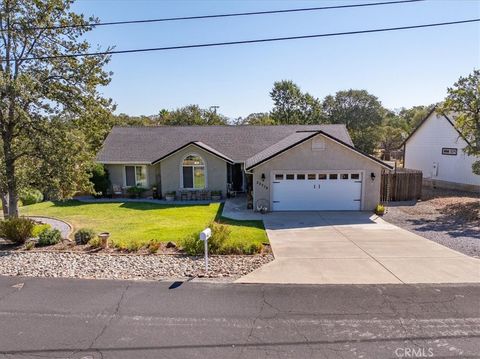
pixel 306 195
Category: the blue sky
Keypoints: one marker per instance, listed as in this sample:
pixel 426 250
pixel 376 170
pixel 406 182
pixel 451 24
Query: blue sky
pixel 404 68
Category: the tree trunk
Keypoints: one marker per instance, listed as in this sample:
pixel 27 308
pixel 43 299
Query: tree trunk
pixel 12 190
pixel 4 198
pixel 10 175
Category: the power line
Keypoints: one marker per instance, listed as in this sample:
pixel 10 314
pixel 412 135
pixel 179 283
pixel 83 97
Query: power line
pixel 240 42
pixel 198 17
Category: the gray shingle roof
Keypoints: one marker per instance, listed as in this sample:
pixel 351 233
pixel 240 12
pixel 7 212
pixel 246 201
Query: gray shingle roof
pixel 295 139
pixel 148 144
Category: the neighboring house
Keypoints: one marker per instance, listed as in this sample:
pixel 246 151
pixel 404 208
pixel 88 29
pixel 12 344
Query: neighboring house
pixel 283 167
pixel 436 148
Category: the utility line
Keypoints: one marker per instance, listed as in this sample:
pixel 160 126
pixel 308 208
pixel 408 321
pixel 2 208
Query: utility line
pixel 240 42
pixel 225 15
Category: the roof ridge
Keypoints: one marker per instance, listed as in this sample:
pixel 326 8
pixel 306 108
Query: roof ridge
pixel 229 125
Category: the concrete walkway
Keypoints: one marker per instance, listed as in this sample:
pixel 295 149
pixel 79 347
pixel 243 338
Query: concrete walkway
pixel 355 248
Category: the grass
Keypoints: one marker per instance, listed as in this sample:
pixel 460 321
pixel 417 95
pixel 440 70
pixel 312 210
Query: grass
pixel 134 224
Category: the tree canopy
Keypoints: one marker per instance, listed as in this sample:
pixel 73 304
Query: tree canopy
pixel 362 114
pixel 463 101
pixel 52 118
pixel 292 106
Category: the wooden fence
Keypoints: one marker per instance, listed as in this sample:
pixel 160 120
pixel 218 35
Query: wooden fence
pixel 403 184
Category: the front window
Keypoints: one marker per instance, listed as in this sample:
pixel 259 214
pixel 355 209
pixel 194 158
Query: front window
pixel 193 171
pixel 136 176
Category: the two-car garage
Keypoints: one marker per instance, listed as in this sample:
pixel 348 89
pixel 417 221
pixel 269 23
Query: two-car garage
pixel 316 190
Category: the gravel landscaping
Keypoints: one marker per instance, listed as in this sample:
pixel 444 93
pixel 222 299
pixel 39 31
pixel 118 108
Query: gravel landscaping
pixel 450 218
pixel 114 266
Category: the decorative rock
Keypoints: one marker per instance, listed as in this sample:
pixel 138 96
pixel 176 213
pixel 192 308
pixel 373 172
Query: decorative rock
pixel 112 266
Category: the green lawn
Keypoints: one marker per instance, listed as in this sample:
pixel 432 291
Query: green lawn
pixel 133 224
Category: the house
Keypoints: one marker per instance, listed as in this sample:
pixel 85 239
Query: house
pixel 294 167
pixel 436 148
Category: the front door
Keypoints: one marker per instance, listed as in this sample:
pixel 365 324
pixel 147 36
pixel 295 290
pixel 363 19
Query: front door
pixel 237 177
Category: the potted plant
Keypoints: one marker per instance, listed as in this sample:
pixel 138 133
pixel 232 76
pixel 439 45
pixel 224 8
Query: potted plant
pixel 135 191
pixel 380 210
pixel 216 195
pixel 155 192
pixel 170 196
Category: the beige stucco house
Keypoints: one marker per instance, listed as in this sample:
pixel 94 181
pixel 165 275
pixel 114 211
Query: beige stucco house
pixel 297 167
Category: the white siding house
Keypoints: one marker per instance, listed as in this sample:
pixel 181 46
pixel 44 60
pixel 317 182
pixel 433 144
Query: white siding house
pixel 436 148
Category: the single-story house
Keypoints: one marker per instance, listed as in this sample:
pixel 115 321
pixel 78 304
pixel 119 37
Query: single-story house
pixel 436 148
pixel 294 167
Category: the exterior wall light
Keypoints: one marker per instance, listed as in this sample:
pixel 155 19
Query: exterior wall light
pixel 263 176
pixel 372 176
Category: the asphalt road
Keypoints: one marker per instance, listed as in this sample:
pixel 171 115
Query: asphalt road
pixel 69 318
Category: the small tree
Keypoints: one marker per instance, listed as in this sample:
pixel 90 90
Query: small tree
pixel 463 101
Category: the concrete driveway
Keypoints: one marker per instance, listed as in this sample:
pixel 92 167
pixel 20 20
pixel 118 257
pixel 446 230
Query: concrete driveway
pixel 355 248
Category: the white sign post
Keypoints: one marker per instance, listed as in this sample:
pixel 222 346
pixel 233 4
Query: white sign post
pixel 204 236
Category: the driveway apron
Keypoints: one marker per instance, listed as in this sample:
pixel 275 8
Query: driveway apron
pixel 355 248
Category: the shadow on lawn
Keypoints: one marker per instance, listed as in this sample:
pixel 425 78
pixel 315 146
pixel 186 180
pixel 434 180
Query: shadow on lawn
pixel 247 223
pixel 145 206
pixel 458 220
pixel 141 206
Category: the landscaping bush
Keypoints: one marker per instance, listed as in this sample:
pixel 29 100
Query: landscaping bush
pixel 49 237
pixel 99 177
pixel 252 248
pixel 95 242
pixel 192 245
pixel 30 196
pixel 17 230
pixel 220 234
pixel 153 246
pixel 380 210
pixel 39 228
pixel 84 235
pixel 135 191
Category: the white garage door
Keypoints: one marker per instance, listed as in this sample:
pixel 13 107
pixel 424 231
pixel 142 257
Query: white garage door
pixel 314 191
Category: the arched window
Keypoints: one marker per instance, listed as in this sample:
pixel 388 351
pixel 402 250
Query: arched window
pixel 193 172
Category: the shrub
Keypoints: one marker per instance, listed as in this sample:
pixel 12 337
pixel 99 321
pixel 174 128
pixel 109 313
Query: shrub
pixel 39 228
pixel 95 242
pixel 84 235
pixel 192 245
pixel 17 230
pixel 153 246
pixel 232 248
pixel 30 196
pixel 380 210
pixel 220 233
pixel 99 177
pixel 29 245
pixel 135 191
pixel 252 248
pixel 133 246
pixel 49 237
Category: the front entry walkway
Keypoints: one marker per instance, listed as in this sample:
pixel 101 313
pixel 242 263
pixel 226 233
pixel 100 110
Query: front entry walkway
pixel 355 248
